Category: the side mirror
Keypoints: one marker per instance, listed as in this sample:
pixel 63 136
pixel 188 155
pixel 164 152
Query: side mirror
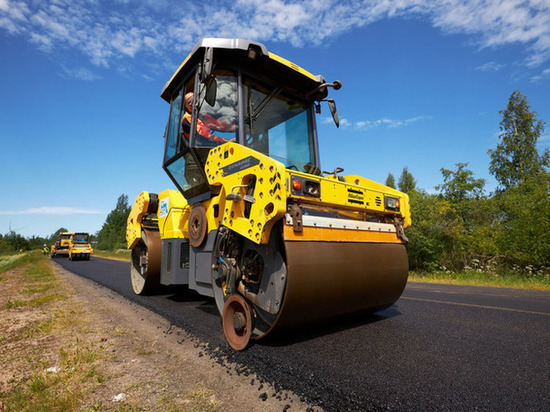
pixel 211 91
pixel 207 77
pixel 332 107
pixel 206 71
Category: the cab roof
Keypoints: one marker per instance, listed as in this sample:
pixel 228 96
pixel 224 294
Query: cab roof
pixel 249 55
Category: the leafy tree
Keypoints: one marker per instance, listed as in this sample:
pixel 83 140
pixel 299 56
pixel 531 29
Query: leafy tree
pixel 524 221
pixel 406 181
pixel 113 232
pixel 390 181
pixel 37 242
pixel 433 233
pixel 453 227
pixel 476 213
pixel 16 241
pixel 459 185
pixel 516 158
pixel 4 247
pixel 523 204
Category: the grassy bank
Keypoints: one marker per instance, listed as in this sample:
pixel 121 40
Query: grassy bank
pixel 67 345
pixel 44 367
pixel 509 279
pixel 122 254
pixel 55 358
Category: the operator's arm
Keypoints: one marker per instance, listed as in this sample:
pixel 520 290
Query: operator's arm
pixel 186 125
pixel 217 124
pixel 202 129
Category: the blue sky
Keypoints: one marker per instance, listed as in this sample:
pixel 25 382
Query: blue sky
pixel 81 120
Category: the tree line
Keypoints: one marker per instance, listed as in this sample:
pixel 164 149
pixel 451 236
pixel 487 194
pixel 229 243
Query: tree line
pixel 112 235
pixel 460 226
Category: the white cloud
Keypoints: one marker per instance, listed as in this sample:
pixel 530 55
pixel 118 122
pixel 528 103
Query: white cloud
pixel 499 22
pixel 490 67
pixel 12 15
pixel 128 42
pixel 545 74
pixel 44 42
pixel 343 122
pixel 109 32
pixel 52 210
pixel 81 73
pixel 383 122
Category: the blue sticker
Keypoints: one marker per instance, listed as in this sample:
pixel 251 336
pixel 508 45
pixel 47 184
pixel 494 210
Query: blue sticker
pixel 163 207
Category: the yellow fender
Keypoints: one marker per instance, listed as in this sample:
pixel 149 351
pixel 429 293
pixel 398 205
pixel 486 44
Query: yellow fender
pixel 133 226
pixel 231 167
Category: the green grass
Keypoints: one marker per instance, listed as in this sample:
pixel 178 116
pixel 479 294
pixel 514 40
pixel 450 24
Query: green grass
pixel 9 262
pixel 37 301
pixel 58 338
pixel 79 363
pixel 39 279
pixel 47 391
pixel 509 279
pixel 37 288
pixel 123 254
pixel 203 400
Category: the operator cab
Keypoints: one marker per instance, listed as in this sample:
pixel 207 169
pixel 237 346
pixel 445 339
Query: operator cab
pixel 234 90
pixel 81 237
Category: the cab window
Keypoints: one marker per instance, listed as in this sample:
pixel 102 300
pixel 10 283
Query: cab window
pixel 183 164
pixel 279 126
pixel 80 237
pixel 217 123
pixel 172 129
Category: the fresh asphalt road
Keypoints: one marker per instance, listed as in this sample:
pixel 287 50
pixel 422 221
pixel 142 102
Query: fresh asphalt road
pixel 440 347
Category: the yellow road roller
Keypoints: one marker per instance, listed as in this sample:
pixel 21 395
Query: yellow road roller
pixel 61 246
pixel 79 246
pixel 255 223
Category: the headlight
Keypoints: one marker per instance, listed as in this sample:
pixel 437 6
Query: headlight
pixel 392 203
pixel 305 187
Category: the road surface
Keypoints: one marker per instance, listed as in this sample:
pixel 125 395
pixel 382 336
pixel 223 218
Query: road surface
pixel 440 347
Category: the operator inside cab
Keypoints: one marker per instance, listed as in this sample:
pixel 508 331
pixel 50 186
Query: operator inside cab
pixel 205 124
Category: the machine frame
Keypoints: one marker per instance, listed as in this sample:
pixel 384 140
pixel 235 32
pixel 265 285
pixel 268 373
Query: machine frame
pixel 269 237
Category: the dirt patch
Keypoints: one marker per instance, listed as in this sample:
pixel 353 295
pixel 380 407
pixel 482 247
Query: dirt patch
pixel 130 358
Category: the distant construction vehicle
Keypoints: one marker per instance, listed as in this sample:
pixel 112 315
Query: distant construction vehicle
pixel 79 246
pixel 255 223
pixel 61 246
pixel 74 245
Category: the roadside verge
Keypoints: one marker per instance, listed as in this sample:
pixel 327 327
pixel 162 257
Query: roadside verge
pixel 88 348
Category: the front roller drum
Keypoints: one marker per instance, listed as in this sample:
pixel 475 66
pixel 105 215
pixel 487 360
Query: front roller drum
pixel 298 282
pixel 352 277
pixel 238 322
pixel 145 263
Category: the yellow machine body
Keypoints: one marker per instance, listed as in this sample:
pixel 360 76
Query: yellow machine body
pixel 61 246
pixel 254 223
pixel 79 246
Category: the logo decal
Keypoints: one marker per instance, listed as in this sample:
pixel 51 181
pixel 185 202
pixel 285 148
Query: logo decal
pixel 356 197
pixel 163 207
pixel 240 165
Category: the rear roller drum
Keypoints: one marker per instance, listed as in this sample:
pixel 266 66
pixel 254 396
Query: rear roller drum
pixel 145 267
pixel 238 322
